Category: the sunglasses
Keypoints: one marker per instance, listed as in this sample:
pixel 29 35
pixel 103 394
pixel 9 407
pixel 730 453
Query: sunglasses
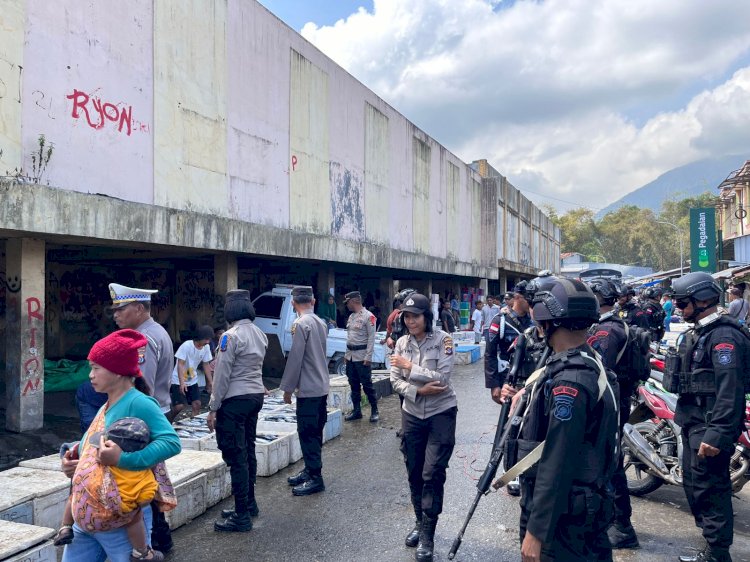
pixel 681 304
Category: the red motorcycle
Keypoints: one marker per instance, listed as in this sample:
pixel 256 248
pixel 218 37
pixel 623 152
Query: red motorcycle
pixel 652 442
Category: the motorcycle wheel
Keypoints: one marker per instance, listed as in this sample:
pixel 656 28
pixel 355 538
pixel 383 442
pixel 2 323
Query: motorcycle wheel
pixel 640 481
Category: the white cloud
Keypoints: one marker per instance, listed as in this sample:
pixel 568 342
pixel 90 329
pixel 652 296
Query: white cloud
pixel 544 89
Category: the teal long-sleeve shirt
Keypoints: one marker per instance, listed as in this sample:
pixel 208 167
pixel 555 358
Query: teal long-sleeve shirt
pixel 164 441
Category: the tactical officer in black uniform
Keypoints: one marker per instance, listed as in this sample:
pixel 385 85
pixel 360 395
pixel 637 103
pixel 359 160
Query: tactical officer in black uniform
pixel 505 327
pixel 629 310
pixel 566 504
pixel 609 339
pixel 655 314
pixel 707 372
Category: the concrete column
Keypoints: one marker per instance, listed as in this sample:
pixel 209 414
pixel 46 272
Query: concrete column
pixel 24 339
pixel 326 282
pixel 503 280
pixel 225 273
pixel 483 286
pixel 387 292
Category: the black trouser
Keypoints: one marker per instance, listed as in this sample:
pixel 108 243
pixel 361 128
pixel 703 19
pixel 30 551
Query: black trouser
pixel 311 418
pixel 161 534
pixel 427 446
pixel 623 509
pixel 581 534
pixel 236 422
pixel 709 491
pixel 360 376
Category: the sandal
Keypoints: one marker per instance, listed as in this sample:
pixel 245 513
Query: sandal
pixel 150 554
pixel 63 536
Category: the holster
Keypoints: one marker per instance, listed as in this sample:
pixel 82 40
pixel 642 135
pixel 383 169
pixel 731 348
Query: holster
pixel 517 449
pixel 672 371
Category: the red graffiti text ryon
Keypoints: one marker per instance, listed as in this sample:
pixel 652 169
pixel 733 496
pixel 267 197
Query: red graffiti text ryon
pixel 86 105
pixel 32 365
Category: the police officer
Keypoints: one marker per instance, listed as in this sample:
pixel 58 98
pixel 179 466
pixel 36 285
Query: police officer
pixel 628 308
pixel 131 308
pixel 421 370
pixel 236 399
pixel 394 325
pixel 609 339
pixel 306 372
pixel 504 328
pixel 654 312
pixel 360 343
pixel 566 504
pixel 707 371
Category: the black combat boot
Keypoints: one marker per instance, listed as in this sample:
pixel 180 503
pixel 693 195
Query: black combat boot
pixel 356 414
pixel 235 523
pixel 308 487
pixel 374 415
pixel 708 554
pixel 299 478
pixel 253 510
pixel 426 539
pixel 622 536
pixel 412 539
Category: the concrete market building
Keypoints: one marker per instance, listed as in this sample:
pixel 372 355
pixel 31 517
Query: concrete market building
pixel 197 146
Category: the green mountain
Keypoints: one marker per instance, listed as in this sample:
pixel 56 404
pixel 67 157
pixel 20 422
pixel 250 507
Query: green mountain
pixel 685 181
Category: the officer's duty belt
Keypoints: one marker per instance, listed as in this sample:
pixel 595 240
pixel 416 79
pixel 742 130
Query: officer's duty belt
pixel 355 347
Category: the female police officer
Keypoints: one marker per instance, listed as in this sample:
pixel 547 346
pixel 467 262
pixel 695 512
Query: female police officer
pixel 420 372
pixel 236 399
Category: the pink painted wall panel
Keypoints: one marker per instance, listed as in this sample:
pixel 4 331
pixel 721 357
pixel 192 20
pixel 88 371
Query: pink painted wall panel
pixel 258 115
pixel 88 88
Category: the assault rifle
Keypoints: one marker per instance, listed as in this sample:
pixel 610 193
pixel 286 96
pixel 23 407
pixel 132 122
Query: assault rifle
pixel 483 486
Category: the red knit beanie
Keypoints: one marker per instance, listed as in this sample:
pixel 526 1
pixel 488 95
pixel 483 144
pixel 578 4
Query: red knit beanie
pixel 119 352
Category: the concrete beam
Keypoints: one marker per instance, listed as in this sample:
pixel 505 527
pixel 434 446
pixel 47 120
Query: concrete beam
pixel 24 334
pixel 43 210
pixel 225 273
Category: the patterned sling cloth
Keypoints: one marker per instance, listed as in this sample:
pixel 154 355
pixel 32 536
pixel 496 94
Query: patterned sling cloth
pixel 95 498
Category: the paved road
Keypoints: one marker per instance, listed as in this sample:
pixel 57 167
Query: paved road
pixel 365 512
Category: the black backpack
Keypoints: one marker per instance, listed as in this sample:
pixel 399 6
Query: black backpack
pixel 633 360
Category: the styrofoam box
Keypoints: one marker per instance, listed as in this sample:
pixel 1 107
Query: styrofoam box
pixel 272 456
pixel 467 354
pixel 464 336
pixel 340 396
pixel 191 501
pixel 26 542
pixel 47 489
pixel 333 425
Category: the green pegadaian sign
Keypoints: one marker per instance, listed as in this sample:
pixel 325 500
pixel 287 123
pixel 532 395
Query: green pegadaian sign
pixel 703 239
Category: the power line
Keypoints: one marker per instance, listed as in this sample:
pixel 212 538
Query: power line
pixel 560 200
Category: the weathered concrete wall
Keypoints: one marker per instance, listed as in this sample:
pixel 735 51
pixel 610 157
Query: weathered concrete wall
pixel 50 211
pixel 216 107
pixel 13 26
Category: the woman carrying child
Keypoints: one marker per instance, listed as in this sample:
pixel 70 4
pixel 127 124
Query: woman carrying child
pixel 110 489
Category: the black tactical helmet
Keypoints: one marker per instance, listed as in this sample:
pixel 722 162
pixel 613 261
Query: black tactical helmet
pixel 565 299
pixel 605 288
pixel 521 288
pixel 698 285
pixel 538 283
pixel 654 292
pixel 401 295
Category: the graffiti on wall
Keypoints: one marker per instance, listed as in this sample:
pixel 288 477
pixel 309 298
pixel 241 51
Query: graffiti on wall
pixel 32 374
pixel 347 195
pixel 98 113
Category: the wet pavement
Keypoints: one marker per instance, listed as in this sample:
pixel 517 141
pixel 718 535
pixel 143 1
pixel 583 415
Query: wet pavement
pixel 365 512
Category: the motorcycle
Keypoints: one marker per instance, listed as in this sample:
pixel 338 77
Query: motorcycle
pixel 652 442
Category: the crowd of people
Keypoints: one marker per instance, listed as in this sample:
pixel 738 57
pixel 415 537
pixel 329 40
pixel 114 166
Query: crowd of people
pixel 580 370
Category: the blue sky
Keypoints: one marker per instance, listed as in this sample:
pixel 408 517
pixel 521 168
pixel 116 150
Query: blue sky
pixel 296 13
pixel 572 100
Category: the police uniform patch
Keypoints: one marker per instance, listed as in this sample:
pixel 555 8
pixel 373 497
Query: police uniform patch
pixel 725 352
pixel 448 345
pixel 494 328
pixel 224 342
pixel 563 405
pixel 141 355
pixel 599 341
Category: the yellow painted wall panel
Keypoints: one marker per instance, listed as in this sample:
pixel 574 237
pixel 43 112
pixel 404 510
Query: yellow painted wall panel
pixel 190 92
pixel 453 193
pixel 309 182
pixel 12 30
pixel 420 213
pixel 377 172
